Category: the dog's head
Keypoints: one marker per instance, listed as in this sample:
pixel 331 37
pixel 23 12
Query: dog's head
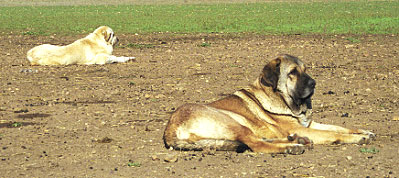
pixel 287 75
pixel 108 34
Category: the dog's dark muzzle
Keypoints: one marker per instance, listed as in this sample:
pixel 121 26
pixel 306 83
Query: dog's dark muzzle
pixel 311 83
pixel 305 86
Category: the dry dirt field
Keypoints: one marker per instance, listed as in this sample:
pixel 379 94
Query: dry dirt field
pixel 108 120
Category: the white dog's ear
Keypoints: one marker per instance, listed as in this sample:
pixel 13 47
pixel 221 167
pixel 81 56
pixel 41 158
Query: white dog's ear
pixel 107 36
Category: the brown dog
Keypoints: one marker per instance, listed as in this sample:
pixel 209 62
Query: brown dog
pixel 273 115
pixel 95 48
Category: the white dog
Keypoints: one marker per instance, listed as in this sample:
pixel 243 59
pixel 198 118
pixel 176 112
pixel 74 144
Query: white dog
pixel 95 48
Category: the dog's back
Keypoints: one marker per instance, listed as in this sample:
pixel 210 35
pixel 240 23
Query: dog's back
pixel 44 55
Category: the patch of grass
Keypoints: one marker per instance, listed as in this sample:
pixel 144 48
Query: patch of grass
pixel 16 124
pixel 335 17
pixel 139 46
pixel 34 33
pixel 133 164
pixel 353 40
pixel 154 100
pixel 369 150
pixel 31 33
pixel 204 44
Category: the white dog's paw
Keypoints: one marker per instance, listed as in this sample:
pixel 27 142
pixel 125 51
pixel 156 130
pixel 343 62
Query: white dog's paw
pixel 366 136
pixel 370 134
pixel 125 59
pixel 113 59
pixel 364 132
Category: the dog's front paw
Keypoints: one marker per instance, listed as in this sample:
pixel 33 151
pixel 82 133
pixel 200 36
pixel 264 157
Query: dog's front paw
pixel 364 136
pixel 130 58
pixel 301 140
pixel 366 139
pixel 370 135
pixel 295 149
pixel 123 59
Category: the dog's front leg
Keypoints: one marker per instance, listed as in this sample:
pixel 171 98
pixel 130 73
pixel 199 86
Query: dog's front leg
pixel 331 136
pixel 339 129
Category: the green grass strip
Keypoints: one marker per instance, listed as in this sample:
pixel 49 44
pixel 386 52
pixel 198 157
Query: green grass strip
pixel 361 17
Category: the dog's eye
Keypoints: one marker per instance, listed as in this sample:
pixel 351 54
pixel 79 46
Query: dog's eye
pixel 293 72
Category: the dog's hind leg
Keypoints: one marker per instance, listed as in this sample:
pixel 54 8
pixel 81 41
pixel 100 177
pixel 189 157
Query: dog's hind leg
pixel 258 144
pixel 255 144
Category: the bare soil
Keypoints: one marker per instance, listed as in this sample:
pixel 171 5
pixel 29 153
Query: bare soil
pixel 108 120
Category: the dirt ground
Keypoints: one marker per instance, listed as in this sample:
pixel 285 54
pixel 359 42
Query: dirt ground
pixel 108 120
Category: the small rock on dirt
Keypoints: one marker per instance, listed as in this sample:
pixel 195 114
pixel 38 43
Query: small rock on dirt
pixel 171 158
pixel 349 157
pixel 28 71
pixel 105 140
pixel 154 158
pixel 345 115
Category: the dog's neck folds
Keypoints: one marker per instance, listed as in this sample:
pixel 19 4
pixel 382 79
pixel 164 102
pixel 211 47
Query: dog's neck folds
pixel 276 104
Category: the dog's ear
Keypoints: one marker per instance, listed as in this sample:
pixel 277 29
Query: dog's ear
pixel 106 35
pixel 271 73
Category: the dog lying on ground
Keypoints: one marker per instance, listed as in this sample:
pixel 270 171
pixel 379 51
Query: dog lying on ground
pixel 95 48
pixel 273 115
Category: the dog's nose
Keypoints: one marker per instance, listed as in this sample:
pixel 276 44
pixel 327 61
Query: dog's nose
pixel 312 83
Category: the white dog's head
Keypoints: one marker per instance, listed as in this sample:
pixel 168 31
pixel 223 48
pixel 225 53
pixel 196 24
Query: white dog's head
pixel 108 34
